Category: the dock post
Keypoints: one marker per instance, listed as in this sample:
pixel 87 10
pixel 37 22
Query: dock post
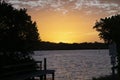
pixel 45 67
pixel 40 67
pixel 40 64
pixel 53 76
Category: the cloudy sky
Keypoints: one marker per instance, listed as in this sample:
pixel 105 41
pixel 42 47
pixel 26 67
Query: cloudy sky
pixel 68 20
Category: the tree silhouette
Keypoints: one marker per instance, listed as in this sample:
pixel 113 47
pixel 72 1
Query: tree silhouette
pixel 18 35
pixel 109 29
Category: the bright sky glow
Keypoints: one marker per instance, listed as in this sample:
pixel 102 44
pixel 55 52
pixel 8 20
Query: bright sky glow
pixel 68 20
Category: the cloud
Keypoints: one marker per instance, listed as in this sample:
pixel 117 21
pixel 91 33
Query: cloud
pixel 57 5
pixel 108 6
pixel 30 3
pixel 38 3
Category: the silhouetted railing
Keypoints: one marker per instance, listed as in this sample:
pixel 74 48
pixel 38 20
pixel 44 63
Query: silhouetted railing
pixel 26 71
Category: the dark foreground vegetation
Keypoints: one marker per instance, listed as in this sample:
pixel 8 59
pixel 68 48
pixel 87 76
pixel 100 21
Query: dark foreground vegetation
pixel 17 32
pixel 108 77
pixel 109 31
pixel 18 38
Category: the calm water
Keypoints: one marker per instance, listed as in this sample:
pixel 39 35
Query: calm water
pixel 76 64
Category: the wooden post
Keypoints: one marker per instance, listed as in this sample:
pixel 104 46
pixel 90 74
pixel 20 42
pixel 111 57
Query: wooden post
pixel 41 77
pixel 40 64
pixel 45 67
pixel 45 64
pixel 53 76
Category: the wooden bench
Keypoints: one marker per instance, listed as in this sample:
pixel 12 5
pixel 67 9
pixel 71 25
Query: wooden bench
pixel 20 72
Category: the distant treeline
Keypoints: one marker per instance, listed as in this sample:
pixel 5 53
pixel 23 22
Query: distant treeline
pixel 68 46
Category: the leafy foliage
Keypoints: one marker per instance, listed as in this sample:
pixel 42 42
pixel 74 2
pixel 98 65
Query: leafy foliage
pixel 18 35
pixel 109 29
pixel 17 30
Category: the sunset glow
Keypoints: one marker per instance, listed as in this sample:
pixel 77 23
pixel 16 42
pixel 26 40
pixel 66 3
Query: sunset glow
pixel 68 28
pixel 69 21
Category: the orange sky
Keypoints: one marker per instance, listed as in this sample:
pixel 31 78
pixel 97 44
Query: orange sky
pixel 68 21
pixel 70 27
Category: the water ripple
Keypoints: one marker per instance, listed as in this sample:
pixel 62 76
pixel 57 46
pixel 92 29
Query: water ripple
pixel 76 64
